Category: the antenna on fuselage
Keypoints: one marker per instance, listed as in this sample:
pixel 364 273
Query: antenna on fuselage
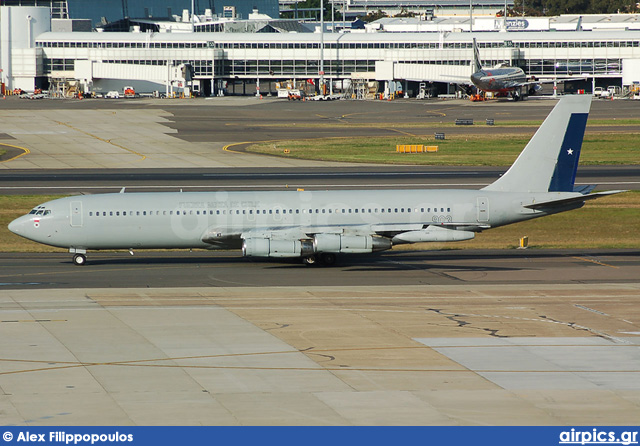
pixel 122 190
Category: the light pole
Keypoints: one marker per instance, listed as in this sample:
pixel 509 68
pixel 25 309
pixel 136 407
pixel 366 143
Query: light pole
pixel 322 47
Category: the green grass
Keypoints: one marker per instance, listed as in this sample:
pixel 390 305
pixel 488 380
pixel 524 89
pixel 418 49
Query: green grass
pixel 609 222
pixel 456 150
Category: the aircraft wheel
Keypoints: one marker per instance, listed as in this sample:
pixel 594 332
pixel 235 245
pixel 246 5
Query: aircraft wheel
pixel 310 261
pixel 328 258
pixel 79 259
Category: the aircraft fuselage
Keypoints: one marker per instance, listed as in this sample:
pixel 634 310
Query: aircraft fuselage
pixel 499 80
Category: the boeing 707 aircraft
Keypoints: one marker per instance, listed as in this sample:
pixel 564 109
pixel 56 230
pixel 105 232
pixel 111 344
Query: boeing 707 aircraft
pixel 317 225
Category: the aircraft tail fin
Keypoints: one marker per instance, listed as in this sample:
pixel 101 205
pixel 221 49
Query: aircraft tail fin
pixel 550 160
pixel 477 66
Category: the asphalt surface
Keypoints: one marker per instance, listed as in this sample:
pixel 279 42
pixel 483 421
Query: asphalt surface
pixel 228 269
pixel 79 181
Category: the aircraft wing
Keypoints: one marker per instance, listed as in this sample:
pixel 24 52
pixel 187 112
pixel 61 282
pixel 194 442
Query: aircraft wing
pixel 539 81
pixel 450 79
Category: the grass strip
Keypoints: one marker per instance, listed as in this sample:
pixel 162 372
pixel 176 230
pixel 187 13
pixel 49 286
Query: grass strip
pixel 455 150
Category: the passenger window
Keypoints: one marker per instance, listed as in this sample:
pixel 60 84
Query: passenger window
pixel 448 209
pixel 104 214
pixel 356 211
pixel 124 213
pixel 90 214
pixel 111 214
pixel 218 212
pixel 117 213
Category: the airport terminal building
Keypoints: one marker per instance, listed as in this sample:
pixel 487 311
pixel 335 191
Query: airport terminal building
pixel 390 51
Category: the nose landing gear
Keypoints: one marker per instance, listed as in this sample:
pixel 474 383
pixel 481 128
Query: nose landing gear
pixel 79 259
pixel 79 256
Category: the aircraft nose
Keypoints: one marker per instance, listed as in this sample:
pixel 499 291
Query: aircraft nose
pixel 17 226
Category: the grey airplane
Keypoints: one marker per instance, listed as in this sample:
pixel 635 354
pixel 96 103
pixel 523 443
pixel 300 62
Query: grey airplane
pixel 501 80
pixel 318 225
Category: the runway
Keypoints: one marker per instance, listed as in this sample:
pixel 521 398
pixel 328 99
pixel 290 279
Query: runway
pixel 81 181
pixel 180 269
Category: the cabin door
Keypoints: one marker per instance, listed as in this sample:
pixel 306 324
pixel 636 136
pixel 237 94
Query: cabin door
pixel 76 214
pixel 483 209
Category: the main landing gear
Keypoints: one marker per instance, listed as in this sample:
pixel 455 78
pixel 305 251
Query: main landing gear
pixel 324 259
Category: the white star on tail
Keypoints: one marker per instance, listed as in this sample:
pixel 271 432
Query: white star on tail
pixel 570 151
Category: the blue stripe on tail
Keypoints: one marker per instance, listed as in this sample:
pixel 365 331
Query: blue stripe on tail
pixel 564 175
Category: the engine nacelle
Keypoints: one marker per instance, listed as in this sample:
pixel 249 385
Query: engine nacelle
pixel 349 243
pixel 433 234
pixel 266 247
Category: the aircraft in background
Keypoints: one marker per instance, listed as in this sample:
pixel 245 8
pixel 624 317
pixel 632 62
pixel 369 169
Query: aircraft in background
pixel 505 80
pixel 501 79
pixel 318 225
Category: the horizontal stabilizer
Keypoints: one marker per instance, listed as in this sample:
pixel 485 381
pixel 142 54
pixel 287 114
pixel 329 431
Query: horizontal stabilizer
pixel 585 189
pixel 572 200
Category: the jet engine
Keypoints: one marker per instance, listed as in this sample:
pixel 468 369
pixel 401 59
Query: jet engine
pixel 349 243
pixel 266 247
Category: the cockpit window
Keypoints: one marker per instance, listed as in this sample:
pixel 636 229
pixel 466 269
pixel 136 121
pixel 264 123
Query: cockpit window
pixel 40 210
